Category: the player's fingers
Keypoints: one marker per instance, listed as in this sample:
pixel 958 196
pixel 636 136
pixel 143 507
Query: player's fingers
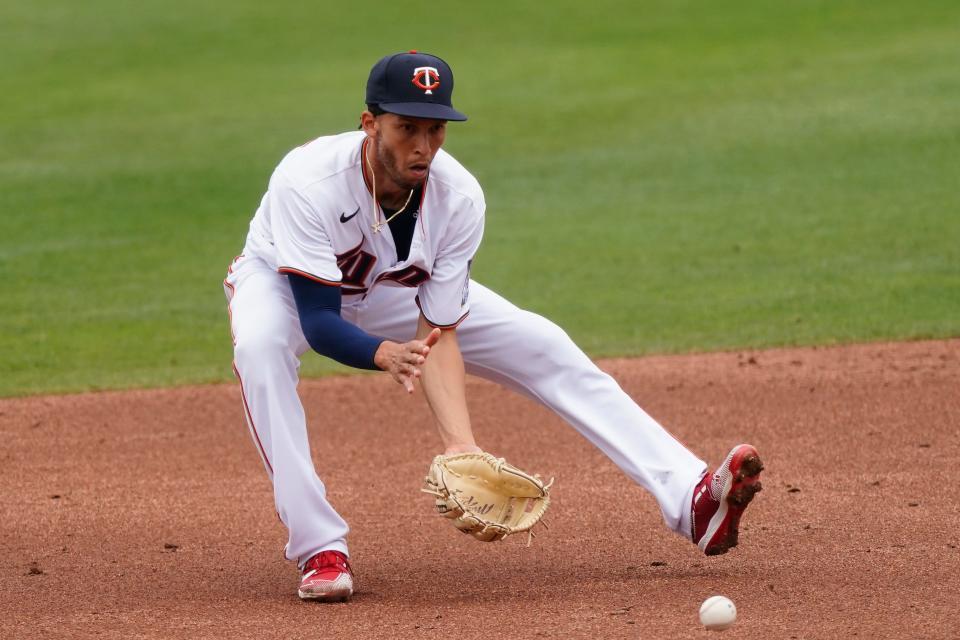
pixel 408 371
pixel 417 347
pixel 409 377
pixel 404 379
pixel 412 357
pixel 432 338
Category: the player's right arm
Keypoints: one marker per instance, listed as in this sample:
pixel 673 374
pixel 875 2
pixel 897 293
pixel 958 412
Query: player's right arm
pixel 327 333
pixel 305 254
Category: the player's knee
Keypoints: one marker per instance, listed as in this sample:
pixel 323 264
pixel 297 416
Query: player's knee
pixel 542 333
pixel 540 339
pixel 261 347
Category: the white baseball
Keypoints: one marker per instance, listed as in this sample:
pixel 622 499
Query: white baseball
pixel 718 613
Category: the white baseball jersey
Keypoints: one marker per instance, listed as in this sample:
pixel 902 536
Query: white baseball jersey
pixel 315 220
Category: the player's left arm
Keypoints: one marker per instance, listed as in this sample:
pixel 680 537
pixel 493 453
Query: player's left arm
pixel 444 304
pixel 443 379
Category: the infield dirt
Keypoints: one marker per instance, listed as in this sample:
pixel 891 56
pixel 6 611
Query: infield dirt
pixel 148 514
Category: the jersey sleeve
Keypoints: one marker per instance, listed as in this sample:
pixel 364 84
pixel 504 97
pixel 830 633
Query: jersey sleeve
pixel 302 243
pixel 444 299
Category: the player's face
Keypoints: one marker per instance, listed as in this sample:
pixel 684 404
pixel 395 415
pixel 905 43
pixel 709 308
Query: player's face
pixel 406 147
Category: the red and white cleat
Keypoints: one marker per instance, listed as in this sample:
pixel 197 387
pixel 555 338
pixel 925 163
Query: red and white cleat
pixel 720 498
pixel 327 577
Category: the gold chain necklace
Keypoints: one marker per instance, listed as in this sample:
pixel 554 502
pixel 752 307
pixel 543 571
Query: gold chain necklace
pixel 377 225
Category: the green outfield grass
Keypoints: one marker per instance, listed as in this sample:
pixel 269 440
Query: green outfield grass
pixel 660 176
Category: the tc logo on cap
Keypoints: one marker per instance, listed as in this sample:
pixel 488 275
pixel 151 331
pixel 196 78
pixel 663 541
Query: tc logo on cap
pixel 426 78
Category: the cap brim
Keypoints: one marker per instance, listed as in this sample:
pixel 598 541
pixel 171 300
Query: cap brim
pixel 423 110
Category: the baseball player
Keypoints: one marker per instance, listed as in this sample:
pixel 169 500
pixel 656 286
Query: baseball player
pixel 361 250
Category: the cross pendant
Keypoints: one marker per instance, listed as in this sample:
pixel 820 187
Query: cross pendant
pixel 376 226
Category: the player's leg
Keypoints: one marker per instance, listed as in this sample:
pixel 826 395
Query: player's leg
pixel 267 344
pixel 531 355
pixel 528 353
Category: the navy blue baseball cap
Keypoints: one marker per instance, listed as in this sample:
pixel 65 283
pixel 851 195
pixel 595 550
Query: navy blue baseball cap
pixel 413 84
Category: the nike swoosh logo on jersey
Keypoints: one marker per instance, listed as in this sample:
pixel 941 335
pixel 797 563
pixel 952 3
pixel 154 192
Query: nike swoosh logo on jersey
pixel 344 217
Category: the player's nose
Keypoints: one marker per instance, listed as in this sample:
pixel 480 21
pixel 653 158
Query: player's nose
pixel 421 143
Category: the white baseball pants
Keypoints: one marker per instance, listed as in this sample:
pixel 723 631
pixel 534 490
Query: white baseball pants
pixel 518 349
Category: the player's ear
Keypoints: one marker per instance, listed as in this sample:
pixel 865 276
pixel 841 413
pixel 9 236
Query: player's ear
pixel 368 122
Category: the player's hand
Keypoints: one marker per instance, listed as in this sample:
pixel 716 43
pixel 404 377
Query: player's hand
pixel 402 361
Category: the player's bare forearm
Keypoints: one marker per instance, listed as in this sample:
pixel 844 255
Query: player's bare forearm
pixel 444 384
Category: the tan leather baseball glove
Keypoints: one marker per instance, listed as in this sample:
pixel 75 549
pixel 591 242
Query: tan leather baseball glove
pixel 486 497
